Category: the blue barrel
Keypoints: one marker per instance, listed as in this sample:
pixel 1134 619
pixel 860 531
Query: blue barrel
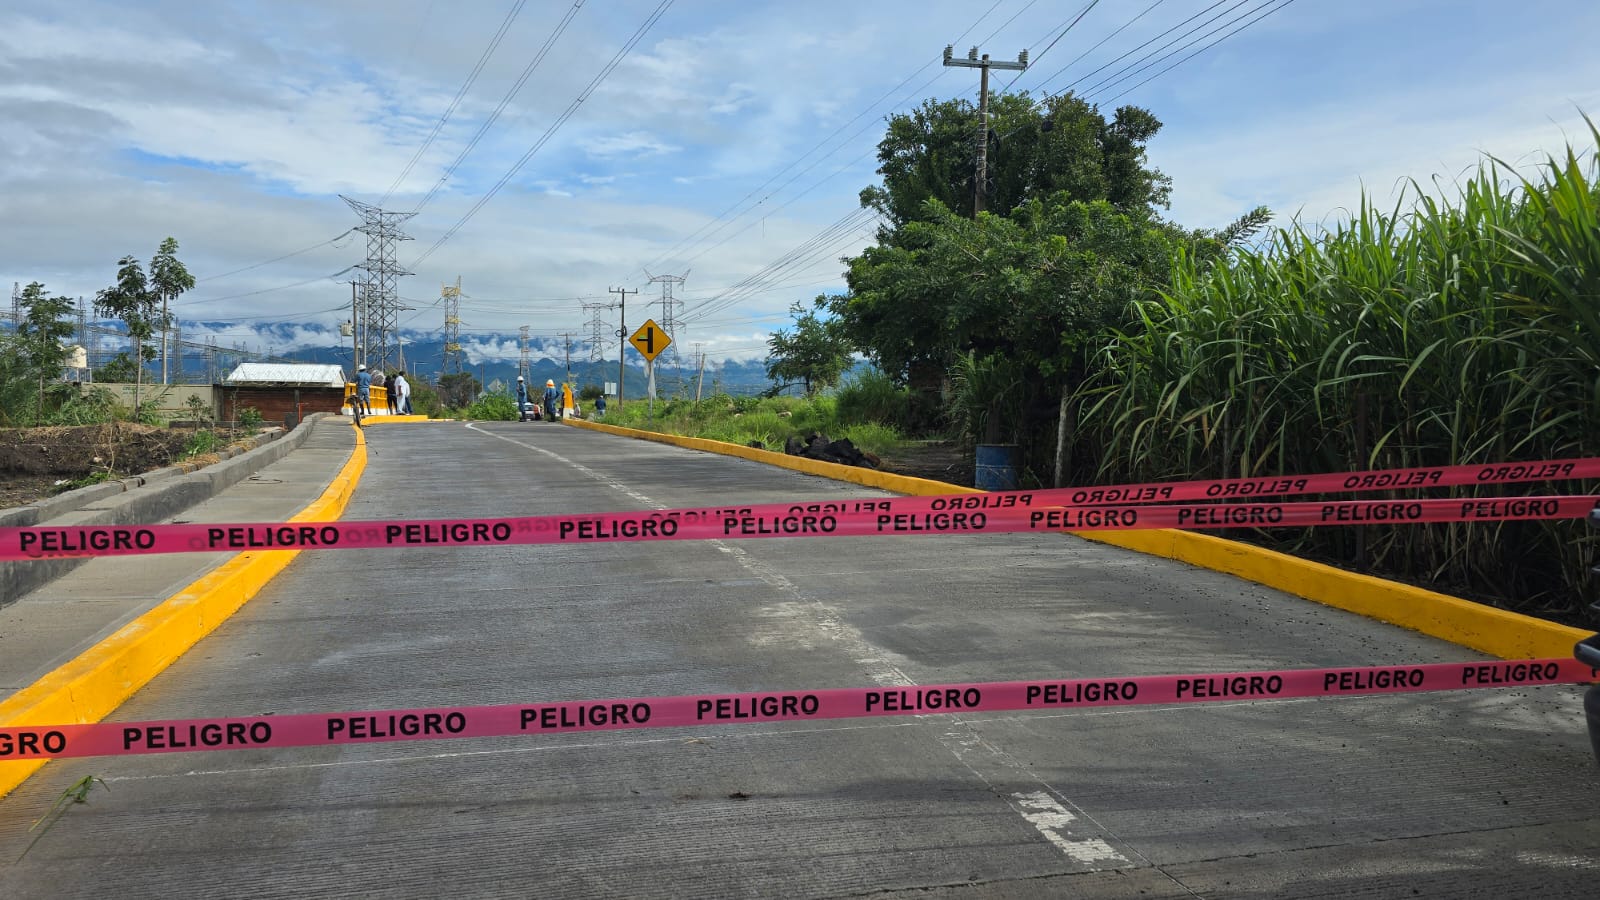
pixel 997 467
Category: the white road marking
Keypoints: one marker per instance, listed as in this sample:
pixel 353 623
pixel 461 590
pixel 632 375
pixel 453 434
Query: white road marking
pixel 881 665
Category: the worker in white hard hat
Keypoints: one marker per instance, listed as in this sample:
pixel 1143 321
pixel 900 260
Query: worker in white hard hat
pixel 364 389
pixel 550 400
pixel 522 399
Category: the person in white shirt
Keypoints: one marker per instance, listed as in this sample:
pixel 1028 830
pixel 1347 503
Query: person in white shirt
pixel 401 389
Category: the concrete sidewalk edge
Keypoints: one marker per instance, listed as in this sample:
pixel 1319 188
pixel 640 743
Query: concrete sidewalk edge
pixel 94 684
pixel 142 498
pixel 1497 632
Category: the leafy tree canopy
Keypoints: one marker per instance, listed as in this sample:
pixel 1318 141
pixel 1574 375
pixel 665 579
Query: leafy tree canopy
pixel 815 353
pixel 1035 151
pixel 1038 286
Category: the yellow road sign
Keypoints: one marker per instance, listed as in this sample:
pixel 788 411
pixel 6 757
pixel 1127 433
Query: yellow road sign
pixel 650 340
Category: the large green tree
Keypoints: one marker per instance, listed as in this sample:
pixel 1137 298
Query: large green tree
pixel 133 301
pixel 169 279
pixel 45 328
pixel 815 353
pixel 31 359
pixel 1036 150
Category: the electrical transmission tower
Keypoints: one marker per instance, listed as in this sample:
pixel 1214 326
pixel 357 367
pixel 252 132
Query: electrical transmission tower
pixel 525 368
pixel 451 295
pixel 16 302
pixel 380 301
pixel 669 322
pixel 597 334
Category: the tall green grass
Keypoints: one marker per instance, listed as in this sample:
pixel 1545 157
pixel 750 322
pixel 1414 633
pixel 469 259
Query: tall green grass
pixel 769 420
pixel 1448 330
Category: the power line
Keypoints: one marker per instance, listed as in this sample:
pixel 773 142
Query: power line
pixel 282 287
pixel 1127 53
pixel 554 127
pixel 505 101
pixel 691 239
pixel 1098 44
pixel 1203 49
pixel 1053 42
pixel 269 262
pixel 1162 53
pixel 472 77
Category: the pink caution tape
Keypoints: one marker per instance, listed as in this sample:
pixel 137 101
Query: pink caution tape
pixel 324 729
pixel 957 514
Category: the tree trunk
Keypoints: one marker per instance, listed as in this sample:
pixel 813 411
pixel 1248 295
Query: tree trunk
pixel 138 374
pixel 1065 434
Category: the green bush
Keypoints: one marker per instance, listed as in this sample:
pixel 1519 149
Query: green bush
pixel 250 418
pixel 493 408
pixel 870 437
pixel 872 396
pixel 203 441
pixel 91 407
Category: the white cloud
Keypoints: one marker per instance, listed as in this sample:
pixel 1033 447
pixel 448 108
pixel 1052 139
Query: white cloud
pixel 633 143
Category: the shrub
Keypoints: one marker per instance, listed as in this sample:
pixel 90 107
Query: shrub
pixel 250 418
pixel 493 407
pixel 872 396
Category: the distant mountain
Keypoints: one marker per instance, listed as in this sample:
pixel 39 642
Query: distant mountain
pixel 197 363
pixel 424 358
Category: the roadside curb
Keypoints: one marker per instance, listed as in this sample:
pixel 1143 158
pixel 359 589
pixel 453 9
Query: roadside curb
pixel 90 687
pixel 1489 630
pixel 141 498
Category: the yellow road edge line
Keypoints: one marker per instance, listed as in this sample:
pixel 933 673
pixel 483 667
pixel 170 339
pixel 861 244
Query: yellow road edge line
pixel 1477 626
pixel 90 687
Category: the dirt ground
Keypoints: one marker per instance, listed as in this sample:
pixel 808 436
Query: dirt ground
pixel 38 462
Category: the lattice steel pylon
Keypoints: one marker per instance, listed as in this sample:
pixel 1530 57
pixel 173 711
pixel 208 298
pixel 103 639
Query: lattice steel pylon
pixel 599 330
pixel 380 300
pixel 669 322
pixel 451 295
pixel 525 367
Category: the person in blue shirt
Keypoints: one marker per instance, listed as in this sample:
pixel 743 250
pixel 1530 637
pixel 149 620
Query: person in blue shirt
pixel 550 400
pixel 364 390
pixel 600 406
pixel 522 399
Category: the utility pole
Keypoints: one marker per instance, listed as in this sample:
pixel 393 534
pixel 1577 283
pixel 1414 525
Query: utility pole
pixel 567 337
pixel 701 379
pixel 983 65
pixel 622 338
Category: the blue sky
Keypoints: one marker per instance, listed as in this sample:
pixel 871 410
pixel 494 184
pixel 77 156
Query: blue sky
pixel 234 126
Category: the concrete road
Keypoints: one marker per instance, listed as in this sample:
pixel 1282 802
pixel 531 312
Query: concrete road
pixel 1483 794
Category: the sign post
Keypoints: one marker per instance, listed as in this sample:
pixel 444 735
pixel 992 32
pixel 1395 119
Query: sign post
pixel 650 340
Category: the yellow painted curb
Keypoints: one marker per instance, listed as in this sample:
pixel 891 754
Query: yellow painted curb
pixel 90 687
pixel 1507 635
pixel 377 420
pixel 900 484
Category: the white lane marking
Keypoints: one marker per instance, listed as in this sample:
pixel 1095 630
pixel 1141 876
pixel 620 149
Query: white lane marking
pixel 1051 818
pixel 965 743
